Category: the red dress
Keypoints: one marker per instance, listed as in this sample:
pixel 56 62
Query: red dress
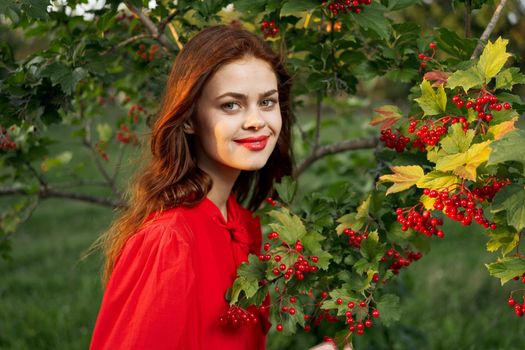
pixel 167 290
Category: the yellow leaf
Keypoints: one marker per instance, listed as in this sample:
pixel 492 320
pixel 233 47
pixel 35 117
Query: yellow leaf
pixel 501 129
pixel 436 180
pixel 465 164
pixel 403 177
pixel 428 202
pixel 363 209
pixel 493 58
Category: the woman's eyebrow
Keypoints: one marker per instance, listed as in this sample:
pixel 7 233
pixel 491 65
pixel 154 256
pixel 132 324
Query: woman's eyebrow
pixel 245 97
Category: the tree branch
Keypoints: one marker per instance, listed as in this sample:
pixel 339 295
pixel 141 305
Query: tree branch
pixel 44 193
pixel 125 42
pixel 490 27
pixel 323 151
pixel 468 18
pixel 151 27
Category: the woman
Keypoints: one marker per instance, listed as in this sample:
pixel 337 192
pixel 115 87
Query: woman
pixel 222 136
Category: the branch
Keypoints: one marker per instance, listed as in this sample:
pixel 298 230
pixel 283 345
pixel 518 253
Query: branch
pixel 468 18
pixel 318 120
pixel 323 151
pixel 52 193
pixel 99 166
pixel 151 27
pixel 125 42
pixel 119 163
pixel 40 179
pixel 490 27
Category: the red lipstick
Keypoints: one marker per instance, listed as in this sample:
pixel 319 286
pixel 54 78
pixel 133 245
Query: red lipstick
pixel 253 143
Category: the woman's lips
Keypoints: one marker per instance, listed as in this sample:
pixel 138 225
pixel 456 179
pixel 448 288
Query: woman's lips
pixel 254 143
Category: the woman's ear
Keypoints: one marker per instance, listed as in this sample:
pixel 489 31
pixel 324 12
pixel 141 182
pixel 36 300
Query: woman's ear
pixel 188 128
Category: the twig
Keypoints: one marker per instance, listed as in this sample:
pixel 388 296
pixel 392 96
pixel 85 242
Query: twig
pixel 125 42
pixel 318 120
pixel 52 193
pixel 87 143
pixel 175 35
pixel 322 151
pixel 468 18
pixel 151 27
pixel 119 163
pixel 490 27
pixel 41 180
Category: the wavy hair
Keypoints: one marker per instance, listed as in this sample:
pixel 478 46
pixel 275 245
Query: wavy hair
pixel 171 177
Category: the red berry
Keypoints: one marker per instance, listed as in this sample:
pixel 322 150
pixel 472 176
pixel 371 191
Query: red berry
pixel 279 327
pixel 432 45
pixel 339 301
pixel 375 313
pixel 507 105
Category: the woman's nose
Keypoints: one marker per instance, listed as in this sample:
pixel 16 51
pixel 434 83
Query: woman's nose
pixel 254 119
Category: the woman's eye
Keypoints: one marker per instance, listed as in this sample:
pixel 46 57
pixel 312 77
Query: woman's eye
pixel 268 103
pixel 230 106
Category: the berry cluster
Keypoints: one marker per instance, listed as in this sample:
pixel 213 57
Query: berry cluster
pixel 362 311
pixel 424 57
pixel 355 238
pixel 296 268
pixel 101 149
pixel 421 221
pixel 522 277
pixel 483 105
pixel 5 140
pixel 462 206
pixel 489 190
pixel 519 309
pixel 395 141
pixel 272 202
pixel 148 55
pixel 269 29
pixel 342 6
pixel 125 136
pixel 236 316
pixel 397 261
pixel 135 111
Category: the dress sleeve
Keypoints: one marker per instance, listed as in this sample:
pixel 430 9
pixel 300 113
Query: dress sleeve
pixel 148 299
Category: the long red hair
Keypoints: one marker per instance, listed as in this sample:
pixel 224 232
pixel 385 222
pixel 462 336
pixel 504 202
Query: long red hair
pixel 171 177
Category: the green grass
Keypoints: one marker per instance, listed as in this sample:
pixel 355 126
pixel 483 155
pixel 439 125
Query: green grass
pixel 48 297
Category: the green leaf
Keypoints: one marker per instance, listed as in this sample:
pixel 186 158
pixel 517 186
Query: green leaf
pixel 36 9
pixel 389 310
pixel 290 227
pixel 457 141
pixel 349 221
pixel 242 284
pixel 493 58
pixel 503 238
pixel 465 164
pixel 373 18
pixel 371 249
pixel 511 199
pixel 291 7
pixel 311 242
pixel 507 268
pixel 509 77
pixel 286 189
pixel 466 79
pixel 394 5
pixel 254 268
pixel 452 43
pixel 510 147
pixel 432 103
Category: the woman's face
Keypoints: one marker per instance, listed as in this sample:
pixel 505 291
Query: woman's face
pixel 238 118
